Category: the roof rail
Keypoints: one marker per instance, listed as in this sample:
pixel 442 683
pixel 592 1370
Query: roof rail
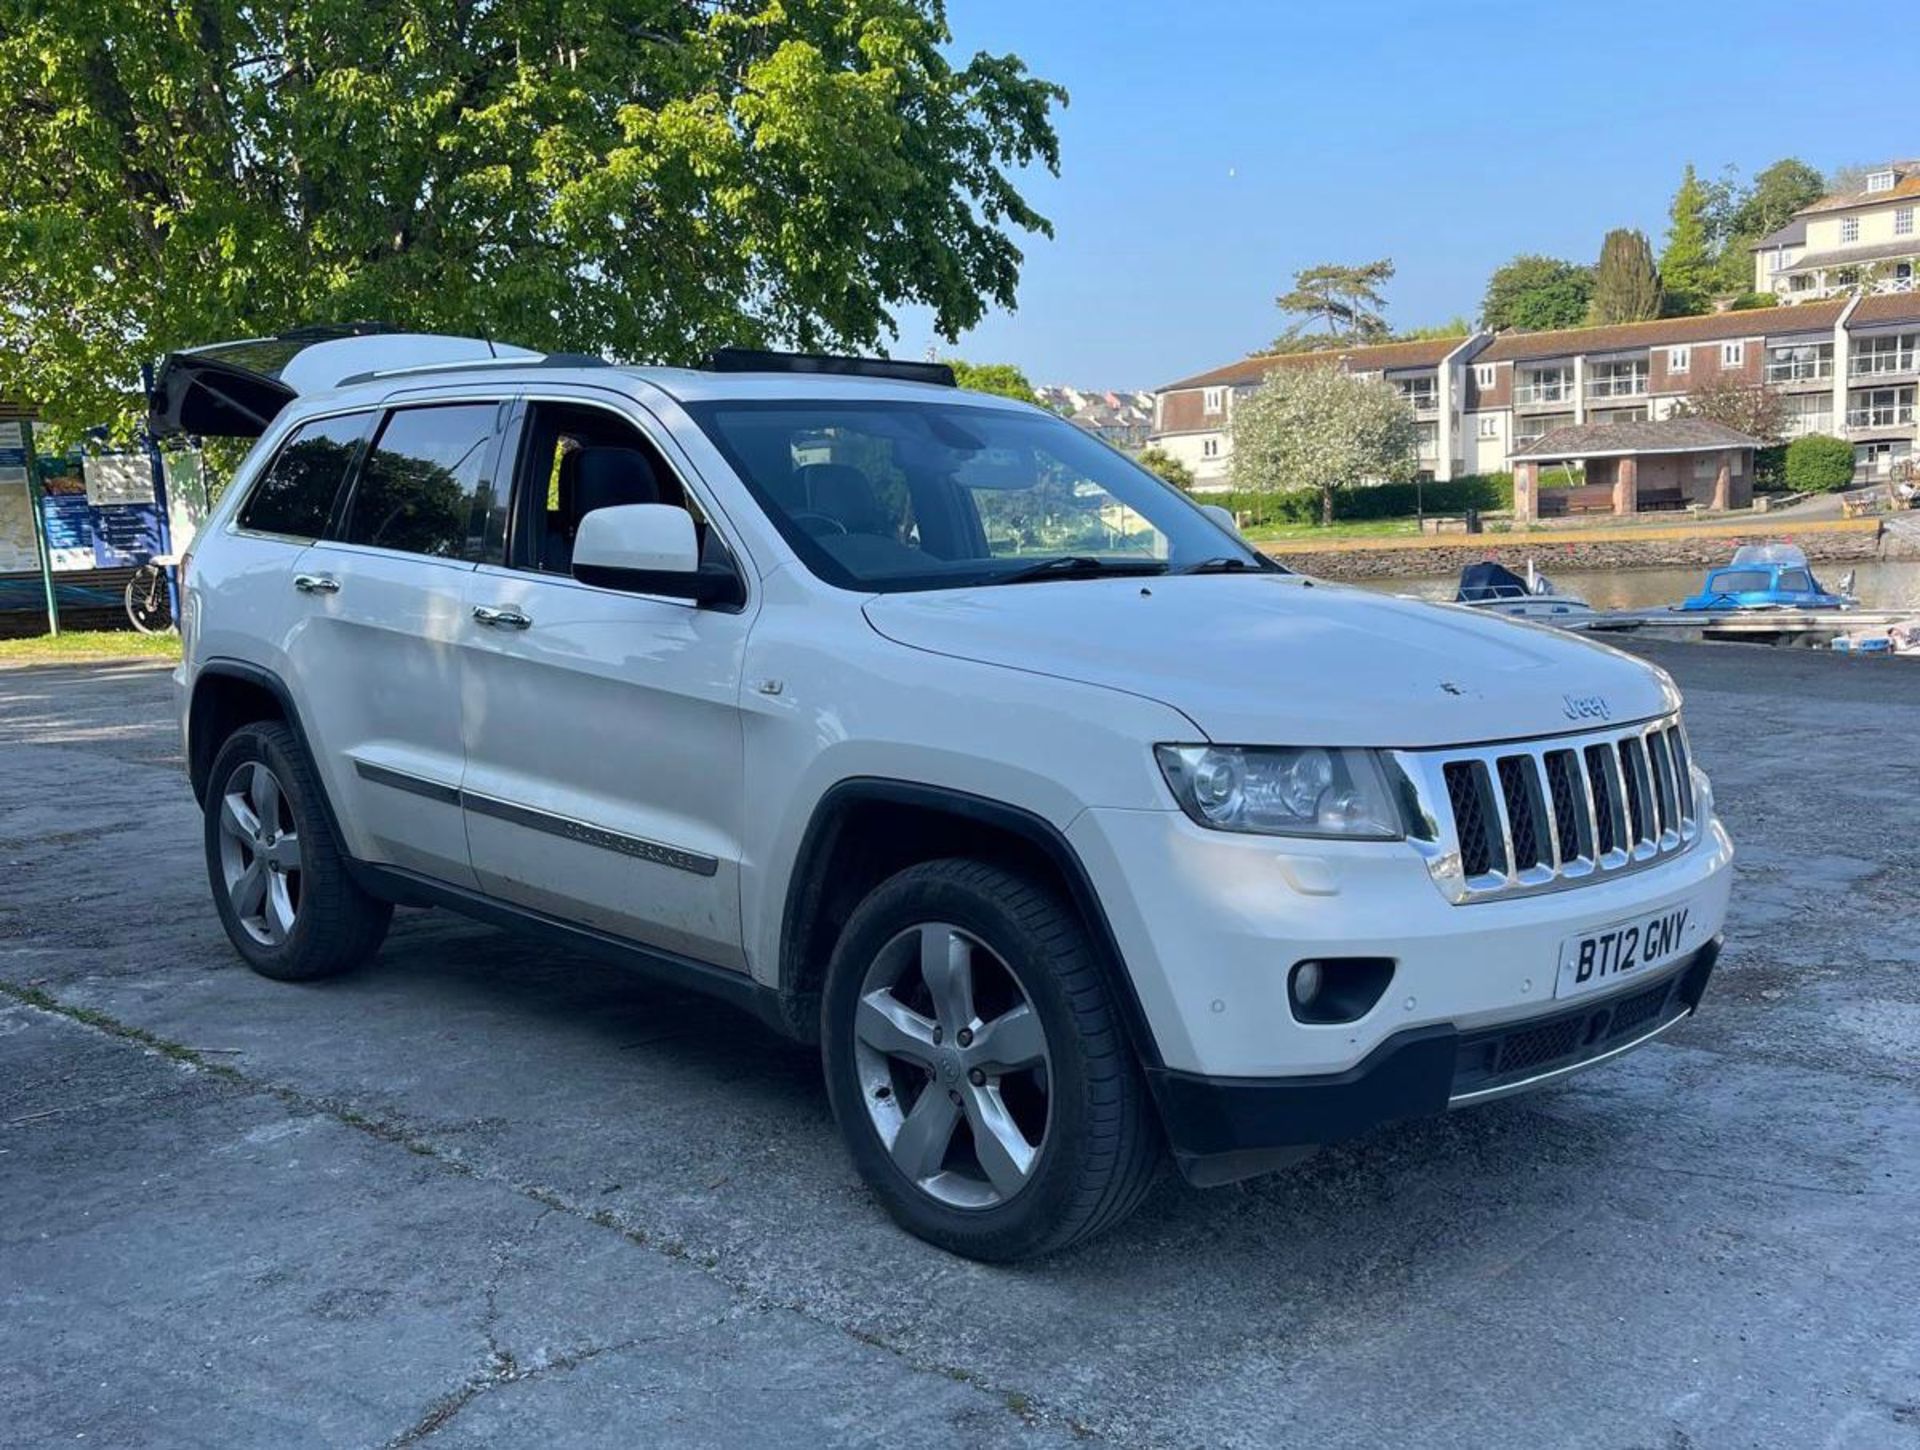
pixel 758 360
pixel 546 360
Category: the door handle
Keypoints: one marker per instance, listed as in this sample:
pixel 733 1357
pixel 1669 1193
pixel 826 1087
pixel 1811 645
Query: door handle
pixel 316 583
pixel 501 618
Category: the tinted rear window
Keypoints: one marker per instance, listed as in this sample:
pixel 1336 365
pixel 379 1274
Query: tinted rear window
pixel 296 494
pixel 424 488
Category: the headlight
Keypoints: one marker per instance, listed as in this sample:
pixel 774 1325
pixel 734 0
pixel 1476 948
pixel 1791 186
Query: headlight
pixel 1282 791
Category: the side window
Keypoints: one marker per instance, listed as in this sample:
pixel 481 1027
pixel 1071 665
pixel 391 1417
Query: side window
pixel 424 488
pixel 575 458
pixel 296 494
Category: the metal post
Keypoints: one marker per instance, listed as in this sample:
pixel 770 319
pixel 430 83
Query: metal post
pixel 158 467
pixel 40 547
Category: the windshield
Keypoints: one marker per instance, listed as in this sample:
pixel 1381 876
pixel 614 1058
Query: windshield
pixel 896 496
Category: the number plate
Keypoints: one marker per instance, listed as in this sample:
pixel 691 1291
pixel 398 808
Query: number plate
pixel 1596 960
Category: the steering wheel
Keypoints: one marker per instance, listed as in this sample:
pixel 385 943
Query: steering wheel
pixel 817 524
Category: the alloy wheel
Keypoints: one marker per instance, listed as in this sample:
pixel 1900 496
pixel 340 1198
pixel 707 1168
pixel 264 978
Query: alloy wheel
pixel 260 854
pixel 953 1065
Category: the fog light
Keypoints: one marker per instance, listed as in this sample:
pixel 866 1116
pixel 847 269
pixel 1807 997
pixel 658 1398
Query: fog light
pixel 1334 990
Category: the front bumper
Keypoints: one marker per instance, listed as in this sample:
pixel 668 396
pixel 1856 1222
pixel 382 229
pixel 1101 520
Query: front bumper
pixel 1222 1128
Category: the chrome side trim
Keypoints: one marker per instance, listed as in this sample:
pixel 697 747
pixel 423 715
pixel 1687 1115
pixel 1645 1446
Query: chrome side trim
pixel 546 822
pixel 1487 1095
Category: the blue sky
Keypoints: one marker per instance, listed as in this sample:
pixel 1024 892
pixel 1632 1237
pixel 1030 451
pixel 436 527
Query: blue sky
pixel 1213 148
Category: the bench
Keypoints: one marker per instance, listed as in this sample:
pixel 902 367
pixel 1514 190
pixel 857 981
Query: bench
pixel 1662 500
pixel 1859 502
pixel 1586 498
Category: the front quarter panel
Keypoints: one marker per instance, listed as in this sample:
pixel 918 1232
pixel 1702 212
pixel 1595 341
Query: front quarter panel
pixel 826 699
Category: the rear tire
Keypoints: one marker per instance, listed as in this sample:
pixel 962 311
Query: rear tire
pixel 991 1100
pixel 279 878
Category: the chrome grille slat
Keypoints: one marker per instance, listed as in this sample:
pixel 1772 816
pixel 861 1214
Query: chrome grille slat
pixel 1542 815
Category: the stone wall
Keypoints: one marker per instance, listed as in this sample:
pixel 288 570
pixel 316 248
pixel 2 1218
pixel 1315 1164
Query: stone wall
pixel 1435 558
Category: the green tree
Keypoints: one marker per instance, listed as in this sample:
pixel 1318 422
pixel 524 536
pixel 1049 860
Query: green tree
pixel 1452 327
pixel 1344 301
pixel 1320 428
pixel 1818 463
pixel 1689 265
pixel 645 178
pixel 1537 293
pixel 1626 288
pixel 1173 470
pixel 1002 378
pixel 1776 194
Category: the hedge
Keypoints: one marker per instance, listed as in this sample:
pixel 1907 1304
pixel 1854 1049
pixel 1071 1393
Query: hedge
pixel 1484 491
pixel 1818 463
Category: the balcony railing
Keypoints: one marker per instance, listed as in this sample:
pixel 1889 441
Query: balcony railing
pixel 1423 402
pixel 1895 416
pixel 1555 392
pixel 1873 364
pixel 1800 370
pixel 1634 386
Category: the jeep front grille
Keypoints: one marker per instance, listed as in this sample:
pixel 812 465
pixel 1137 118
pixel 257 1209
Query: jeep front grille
pixel 1539 815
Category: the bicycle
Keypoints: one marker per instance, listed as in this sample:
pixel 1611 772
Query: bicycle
pixel 149 601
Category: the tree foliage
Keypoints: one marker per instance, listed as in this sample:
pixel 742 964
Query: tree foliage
pixel 1163 463
pixel 1775 195
pixel 1537 293
pixel 646 178
pixel 1818 463
pixel 1753 408
pixel 1345 302
pixel 1626 288
pixel 1689 263
pixel 1318 427
pixel 1002 378
pixel 1452 327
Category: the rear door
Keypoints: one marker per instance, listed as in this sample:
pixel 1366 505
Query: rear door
pixel 377 662
pixel 603 734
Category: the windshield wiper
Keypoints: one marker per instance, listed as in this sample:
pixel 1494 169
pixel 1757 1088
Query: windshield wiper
pixel 1073 566
pixel 1218 565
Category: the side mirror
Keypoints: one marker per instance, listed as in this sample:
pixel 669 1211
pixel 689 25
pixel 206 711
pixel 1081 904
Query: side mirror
pixel 1222 517
pixel 650 548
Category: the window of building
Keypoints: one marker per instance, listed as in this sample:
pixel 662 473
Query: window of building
pixel 1210 448
pixel 1892 352
pixel 1808 413
pixel 1679 359
pixel 1484 374
pixel 1213 400
pixel 295 496
pixel 1733 354
pixel 1799 362
pixel 1544 385
pixel 1422 394
pixel 1880 408
pixel 1617 378
pixel 1850 229
pixel 424 488
pixel 1880 181
pixel 1488 426
pixel 1903 221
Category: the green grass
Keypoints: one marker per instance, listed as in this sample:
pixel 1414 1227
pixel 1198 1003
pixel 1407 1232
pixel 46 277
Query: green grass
pixel 1357 529
pixel 77 646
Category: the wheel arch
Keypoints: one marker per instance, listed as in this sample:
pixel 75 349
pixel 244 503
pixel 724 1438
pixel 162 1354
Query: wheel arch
pixel 867 828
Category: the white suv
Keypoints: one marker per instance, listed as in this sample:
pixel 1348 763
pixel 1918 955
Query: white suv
pixel 929 728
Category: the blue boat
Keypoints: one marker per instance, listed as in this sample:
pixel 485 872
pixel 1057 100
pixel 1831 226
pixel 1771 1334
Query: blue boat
pixel 1767 576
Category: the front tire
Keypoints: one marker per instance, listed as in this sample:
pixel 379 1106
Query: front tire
pixel 279 878
pixel 978 1066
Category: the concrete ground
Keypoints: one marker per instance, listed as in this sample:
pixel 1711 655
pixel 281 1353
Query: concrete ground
pixel 485 1194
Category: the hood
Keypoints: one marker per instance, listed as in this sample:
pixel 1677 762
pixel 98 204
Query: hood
pixel 1273 659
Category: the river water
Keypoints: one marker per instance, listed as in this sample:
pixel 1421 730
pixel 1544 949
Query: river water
pixel 1880 584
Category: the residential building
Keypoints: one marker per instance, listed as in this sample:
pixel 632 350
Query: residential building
pixel 1192 418
pixel 1848 366
pixel 1863 240
pixel 1121 418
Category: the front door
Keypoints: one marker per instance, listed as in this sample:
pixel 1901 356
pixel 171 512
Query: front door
pixel 377 659
pixel 603 736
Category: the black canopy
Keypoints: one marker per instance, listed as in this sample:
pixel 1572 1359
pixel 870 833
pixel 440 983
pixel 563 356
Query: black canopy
pixel 1488 580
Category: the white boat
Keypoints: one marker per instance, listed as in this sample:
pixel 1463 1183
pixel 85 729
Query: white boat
pixel 1498 590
